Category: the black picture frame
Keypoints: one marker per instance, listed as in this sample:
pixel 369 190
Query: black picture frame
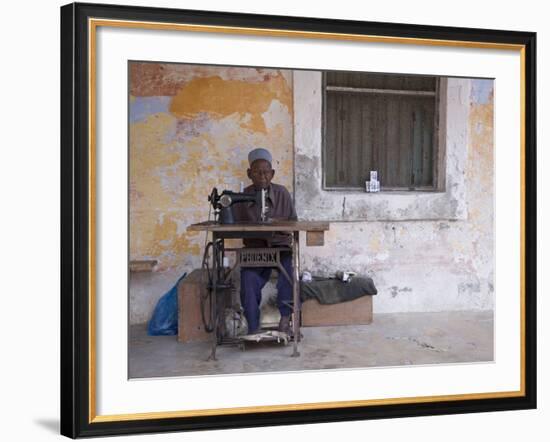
pixel 77 403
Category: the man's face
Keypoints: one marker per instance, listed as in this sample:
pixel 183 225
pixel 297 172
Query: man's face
pixel 260 173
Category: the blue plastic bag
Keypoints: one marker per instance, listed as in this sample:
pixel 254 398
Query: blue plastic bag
pixel 164 321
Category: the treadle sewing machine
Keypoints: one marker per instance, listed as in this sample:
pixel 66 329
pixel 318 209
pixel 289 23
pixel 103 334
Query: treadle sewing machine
pixel 218 276
pixel 223 202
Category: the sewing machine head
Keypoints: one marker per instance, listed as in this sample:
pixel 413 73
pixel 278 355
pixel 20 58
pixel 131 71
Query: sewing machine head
pixel 222 204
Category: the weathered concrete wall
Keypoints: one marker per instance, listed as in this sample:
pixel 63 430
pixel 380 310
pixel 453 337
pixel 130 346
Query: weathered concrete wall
pixel 191 128
pixel 425 251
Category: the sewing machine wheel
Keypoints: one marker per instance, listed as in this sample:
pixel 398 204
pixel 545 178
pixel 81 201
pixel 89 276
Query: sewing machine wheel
pixel 207 298
pixel 212 307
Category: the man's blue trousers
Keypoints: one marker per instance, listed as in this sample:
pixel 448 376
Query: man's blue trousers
pixel 253 279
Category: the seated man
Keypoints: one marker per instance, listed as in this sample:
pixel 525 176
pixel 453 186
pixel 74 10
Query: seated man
pixel 280 207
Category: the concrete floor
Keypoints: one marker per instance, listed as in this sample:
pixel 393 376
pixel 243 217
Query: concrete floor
pixel 391 340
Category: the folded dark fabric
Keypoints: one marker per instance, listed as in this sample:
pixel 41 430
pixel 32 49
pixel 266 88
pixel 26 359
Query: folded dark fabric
pixel 333 291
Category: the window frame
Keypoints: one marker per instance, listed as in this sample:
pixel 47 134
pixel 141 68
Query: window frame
pixel 439 156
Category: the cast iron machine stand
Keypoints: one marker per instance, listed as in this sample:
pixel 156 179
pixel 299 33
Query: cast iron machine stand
pixel 218 278
pixel 219 282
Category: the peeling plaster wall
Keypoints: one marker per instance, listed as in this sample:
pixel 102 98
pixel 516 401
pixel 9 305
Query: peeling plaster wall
pixel 425 251
pixel 191 128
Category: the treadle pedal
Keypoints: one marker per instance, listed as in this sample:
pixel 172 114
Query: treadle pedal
pixel 219 286
pixel 268 336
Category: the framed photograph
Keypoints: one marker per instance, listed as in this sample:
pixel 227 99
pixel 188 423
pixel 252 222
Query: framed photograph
pixel 388 173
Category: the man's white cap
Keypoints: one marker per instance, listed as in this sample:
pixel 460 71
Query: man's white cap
pixel 259 154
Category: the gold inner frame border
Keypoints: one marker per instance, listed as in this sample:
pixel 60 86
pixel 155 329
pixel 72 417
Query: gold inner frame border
pixel 93 24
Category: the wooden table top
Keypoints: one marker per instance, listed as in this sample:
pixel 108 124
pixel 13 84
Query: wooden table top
pixel 270 226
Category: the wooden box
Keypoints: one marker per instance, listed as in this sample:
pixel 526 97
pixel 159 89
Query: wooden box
pixel 356 312
pixel 190 326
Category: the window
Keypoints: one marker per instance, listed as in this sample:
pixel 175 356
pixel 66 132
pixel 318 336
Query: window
pixel 387 123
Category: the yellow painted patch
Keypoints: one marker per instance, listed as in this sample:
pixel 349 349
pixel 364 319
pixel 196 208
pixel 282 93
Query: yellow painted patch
pixel 221 98
pixel 374 244
pixel 148 154
pixel 168 245
pixel 174 166
pixel 480 175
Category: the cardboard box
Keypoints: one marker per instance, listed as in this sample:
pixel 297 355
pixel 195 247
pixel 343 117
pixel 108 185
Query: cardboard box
pixel 356 312
pixel 190 326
